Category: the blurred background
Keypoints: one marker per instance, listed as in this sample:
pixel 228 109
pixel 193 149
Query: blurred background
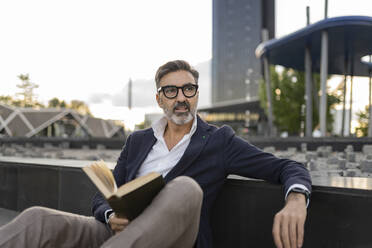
pixel 99 58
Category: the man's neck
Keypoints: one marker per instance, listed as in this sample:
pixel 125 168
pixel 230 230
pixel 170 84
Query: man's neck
pixel 176 130
pixel 173 133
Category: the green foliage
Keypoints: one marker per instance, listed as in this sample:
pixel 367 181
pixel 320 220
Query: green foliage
pixel 56 103
pixel 9 100
pixel 140 126
pixel 6 100
pixel 77 105
pixel 363 120
pixel 80 107
pixel 288 90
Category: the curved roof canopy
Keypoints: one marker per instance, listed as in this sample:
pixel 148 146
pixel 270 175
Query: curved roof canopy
pixel 349 37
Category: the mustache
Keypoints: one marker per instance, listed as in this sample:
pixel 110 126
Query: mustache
pixel 181 104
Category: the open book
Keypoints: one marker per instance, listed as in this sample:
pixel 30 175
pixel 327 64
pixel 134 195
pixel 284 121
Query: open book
pixel 130 199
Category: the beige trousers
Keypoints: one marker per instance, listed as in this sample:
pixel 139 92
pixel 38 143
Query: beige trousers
pixel 171 220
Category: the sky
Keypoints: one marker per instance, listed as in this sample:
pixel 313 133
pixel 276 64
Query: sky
pixel 89 49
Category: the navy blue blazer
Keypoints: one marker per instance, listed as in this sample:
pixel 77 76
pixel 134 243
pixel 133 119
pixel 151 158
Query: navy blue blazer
pixel 213 154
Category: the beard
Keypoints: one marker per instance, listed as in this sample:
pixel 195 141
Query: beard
pixel 180 118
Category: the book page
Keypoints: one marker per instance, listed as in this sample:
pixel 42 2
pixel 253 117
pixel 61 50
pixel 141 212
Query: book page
pixel 102 177
pixel 105 175
pixel 97 182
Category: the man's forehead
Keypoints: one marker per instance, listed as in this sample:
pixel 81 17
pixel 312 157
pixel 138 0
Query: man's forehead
pixel 177 78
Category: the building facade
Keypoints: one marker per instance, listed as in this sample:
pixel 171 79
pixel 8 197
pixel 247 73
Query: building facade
pixel 237 28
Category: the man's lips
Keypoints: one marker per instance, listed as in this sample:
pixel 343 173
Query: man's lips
pixel 181 109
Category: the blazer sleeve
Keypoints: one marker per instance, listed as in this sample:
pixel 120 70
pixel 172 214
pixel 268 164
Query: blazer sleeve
pixel 99 204
pixel 244 159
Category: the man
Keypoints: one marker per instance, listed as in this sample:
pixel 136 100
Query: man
pixel 191 155
pixel 182 144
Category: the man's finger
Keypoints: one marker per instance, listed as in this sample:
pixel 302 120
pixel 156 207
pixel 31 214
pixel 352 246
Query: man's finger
pixel 284 232
pixel 276 232
pixel 293 232
pixel 119 221
pixel 300 233
pixel 117 224
pixel 119 229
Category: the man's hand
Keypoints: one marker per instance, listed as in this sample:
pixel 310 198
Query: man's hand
pixel 288 228
pixel 117 224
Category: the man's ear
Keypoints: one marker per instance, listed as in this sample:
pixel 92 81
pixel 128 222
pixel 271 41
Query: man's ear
pixel 158 100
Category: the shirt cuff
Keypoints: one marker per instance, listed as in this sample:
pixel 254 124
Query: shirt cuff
pixel 108 213
pixel 297 185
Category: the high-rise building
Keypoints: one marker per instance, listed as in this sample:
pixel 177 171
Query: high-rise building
pixel 237 28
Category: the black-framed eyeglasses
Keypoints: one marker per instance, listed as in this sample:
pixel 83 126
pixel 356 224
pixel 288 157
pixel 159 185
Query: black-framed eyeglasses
pixel 171 91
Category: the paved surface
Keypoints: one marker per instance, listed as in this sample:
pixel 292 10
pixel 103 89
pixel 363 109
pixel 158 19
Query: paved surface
pixel 6 215
pixel 52 161
pixel 59 153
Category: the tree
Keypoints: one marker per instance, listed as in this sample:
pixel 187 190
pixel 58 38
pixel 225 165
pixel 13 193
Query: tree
pixel 29 98
pixel 27 92
pixel 288 90
pixel 56 103
pixel 8 100
pixel 77 105
pixel 80 107
pixel 363 120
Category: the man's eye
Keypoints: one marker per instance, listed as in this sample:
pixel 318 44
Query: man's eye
pixel 189 88
pixel 171 90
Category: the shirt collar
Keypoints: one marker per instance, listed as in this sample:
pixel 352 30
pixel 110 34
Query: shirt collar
pixel 159 126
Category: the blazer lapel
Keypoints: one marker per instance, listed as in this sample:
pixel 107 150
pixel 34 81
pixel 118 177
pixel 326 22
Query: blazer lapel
pixel 197 143
pixel 148 141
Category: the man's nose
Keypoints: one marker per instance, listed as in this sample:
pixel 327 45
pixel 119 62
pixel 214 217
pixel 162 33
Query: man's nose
pixel 180 96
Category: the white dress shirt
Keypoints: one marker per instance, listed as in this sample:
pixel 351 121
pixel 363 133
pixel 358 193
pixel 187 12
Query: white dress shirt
pixel 160 159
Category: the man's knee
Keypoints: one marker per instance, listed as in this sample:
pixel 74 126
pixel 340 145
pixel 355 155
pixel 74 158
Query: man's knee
pixel 34 213
pixel 191 191
pixel 190 184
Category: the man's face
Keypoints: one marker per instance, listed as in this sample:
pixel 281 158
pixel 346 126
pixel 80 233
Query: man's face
pixel 181 109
